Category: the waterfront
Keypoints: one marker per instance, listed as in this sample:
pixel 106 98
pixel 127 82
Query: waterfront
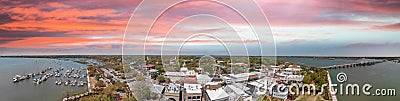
pixel 27 91
pixel 382 75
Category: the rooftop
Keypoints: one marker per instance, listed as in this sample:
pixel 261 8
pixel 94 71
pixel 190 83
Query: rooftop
pixel 202 78
pixel 175 74
pixel 157 88
pixel 217 94
pixel 192 88
pixel 173 88
pixel 190 80
pixel 240 75
pixel 190 73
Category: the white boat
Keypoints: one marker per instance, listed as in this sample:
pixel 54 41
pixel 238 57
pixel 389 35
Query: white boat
pixel 16 78
pixel 66 83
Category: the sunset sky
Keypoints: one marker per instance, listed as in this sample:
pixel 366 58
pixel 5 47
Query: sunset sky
pixel 300 27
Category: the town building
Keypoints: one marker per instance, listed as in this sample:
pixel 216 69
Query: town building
pixel 173 92
pixel 175 76
pixel 192 92
pixel 238 78
pixel 216 95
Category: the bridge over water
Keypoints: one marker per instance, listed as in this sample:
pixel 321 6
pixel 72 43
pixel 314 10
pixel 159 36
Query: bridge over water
pixel 358 64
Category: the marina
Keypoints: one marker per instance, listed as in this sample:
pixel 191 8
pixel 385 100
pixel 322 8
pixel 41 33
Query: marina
pixel 57 73
pixel 27 70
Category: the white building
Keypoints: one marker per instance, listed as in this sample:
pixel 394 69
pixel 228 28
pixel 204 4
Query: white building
pixel 236 93
pixel 192 92
pixel 159 89
pixel 203 79
pixel 295 78
pixel 239 77
pixel 190 73
pixel 173 91
pixel 291 71
pixel 183 69
pixel 227 80
pixel 216 95
pixel 290 78
pixel 175 76
pixel 263 85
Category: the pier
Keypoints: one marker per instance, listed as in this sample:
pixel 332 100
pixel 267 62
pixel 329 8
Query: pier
pixel 76 97
pixel 358 64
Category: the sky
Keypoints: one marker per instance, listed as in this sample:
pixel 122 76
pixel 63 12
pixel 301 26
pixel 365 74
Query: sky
pixel 295 27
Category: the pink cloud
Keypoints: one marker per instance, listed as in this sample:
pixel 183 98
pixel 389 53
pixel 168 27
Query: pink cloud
pixel 390 27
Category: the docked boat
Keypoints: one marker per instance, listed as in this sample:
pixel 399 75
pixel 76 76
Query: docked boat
pixel 17 78
pixel 66 83
pixel 73 83
pixel 57 75
pixel 58 82
pixel 36 81
pixel 81 83
pixel 76 75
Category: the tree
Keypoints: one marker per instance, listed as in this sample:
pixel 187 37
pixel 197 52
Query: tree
pixel 109 90
pixel 208 69
pixel 320 81
pixel 252 70
pixel 130 99
pixel 307 79
pixel 161 79
pixel 313 76
pixel 160 68
pixel 100 84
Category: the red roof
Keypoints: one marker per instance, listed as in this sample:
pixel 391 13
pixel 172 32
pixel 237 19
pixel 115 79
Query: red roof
pixel 149 65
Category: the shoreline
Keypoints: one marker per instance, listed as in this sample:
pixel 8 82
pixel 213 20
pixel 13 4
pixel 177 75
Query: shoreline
pixel 334 97
pixel 88 81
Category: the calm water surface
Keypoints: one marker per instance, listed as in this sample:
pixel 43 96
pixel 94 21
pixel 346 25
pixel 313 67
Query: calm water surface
pixel 26 90
pixel 382 75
